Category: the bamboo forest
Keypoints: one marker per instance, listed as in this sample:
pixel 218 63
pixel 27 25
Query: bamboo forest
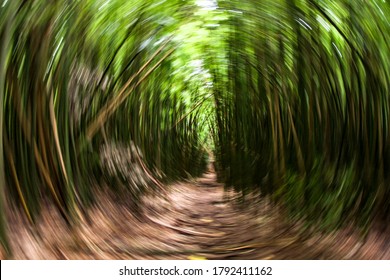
pixel 194 129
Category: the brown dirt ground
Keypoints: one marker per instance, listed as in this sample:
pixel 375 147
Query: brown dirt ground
pixel 192 220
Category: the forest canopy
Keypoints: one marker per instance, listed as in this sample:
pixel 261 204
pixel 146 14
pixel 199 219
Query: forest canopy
pixel 289 97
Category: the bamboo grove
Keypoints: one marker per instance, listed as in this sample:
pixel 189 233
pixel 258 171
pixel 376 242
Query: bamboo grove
pixel 75 76
pixel 291 97
pixel 303 112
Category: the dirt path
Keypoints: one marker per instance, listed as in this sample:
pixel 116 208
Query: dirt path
pixel 194 220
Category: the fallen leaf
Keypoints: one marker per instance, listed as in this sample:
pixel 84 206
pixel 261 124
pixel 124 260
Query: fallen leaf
pixel 196 258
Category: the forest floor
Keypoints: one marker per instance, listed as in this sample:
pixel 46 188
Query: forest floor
pixel 193 220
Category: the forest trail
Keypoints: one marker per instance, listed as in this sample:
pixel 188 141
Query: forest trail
pixel 193 220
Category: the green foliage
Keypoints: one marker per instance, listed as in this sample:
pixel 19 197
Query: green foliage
pixel 290 96
pixel 304 112
pixel 75 75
